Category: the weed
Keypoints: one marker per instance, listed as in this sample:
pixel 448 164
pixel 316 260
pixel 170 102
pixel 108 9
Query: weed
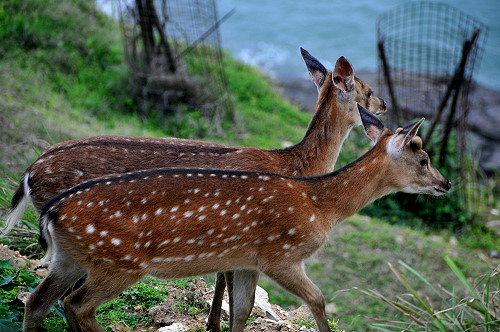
pixel 479 310
pixel 133 305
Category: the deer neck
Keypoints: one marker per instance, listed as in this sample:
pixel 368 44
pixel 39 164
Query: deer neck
pixel 319 149
pixel 346 191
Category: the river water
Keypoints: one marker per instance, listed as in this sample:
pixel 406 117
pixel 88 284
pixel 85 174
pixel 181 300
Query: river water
pixel 269 33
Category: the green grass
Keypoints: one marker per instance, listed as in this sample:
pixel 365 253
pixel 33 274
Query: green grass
pixel 357 256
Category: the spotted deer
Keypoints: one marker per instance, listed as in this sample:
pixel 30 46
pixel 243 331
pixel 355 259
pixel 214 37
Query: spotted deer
pixel 69 163
pixel 174 223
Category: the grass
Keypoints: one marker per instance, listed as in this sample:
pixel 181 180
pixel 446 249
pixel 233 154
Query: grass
pixel 357 256
pixel 477 310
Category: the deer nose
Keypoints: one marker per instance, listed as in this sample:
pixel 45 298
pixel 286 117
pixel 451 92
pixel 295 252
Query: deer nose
pixel 447 186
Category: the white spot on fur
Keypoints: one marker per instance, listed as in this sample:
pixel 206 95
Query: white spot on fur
pixel 116 241
pixel 267 199
pixel 175 208
pixel 215 206
pixel 313 217
pixel 177 239
pixel 223 212
pixel 188 214
pixel 135 219
pixel 90 229
pixel 159 211
pixel 163 243
pixel 91 247
pixel 286 246
pixel 235 216
pixel 117 214
pixel 103 233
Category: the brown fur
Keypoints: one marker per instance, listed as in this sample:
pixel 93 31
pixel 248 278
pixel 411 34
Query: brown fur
pixel 181 222
pixel 69 163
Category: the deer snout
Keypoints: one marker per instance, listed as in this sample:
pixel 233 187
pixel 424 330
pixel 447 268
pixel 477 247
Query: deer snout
pixel 383 107
pixel 443 187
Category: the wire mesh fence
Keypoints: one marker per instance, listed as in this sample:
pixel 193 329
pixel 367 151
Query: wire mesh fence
pixel 428 52
pixel 173 50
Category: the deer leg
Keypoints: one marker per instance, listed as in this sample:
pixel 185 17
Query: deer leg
pixel 97 289
pixel 228 275
pixel 244 284
pixel 72 321
pixel 213 322
pixel 61 277
pixel 293 278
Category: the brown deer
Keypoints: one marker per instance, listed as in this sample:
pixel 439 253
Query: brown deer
pixel 174 223
pixel 66 164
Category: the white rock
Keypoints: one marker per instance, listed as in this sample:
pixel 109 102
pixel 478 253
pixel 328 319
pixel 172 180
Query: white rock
pixel 262 305
pixel 175 327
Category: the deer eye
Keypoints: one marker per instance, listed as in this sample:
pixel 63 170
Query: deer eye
pixel 370 93
pixel 424 162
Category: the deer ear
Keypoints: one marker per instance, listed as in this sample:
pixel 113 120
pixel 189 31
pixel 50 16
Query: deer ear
pixel 343 75
pixel 404 136
pixel 317 71
pixel 372 125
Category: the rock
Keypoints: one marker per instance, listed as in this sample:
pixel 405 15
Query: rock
pixel 262 307
pixel 120 327
pixel 494 225
pixel 175 327
pixel 331 308
pixel 494 254
pixel 23 296
pixel 301 313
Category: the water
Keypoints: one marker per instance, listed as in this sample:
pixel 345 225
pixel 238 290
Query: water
pixel 268 34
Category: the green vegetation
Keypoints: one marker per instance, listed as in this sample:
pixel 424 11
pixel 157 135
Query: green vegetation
pixel 133 304
pixel 12 280
pixel 62 77
pixel 479 310
pixel 357 255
